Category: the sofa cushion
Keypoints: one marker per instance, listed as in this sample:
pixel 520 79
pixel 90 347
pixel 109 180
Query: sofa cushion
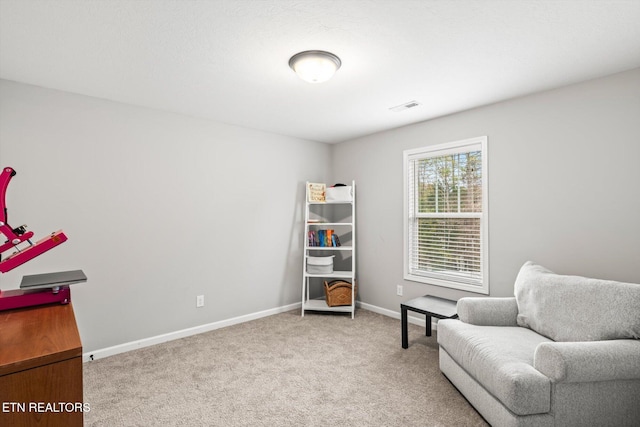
pixel 573 308
pixel 501 359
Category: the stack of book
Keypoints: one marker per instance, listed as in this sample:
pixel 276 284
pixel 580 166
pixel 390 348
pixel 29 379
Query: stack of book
pixel 323 238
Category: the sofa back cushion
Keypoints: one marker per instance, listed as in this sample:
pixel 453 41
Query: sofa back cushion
pixel 573 308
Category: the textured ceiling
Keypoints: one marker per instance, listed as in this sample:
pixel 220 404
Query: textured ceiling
pixel 228 60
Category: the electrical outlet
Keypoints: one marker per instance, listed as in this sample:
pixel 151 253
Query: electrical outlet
pixel 399 290
pixel 200 301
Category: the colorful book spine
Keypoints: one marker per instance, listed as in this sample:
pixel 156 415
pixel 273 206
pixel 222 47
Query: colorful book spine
pixel 323 238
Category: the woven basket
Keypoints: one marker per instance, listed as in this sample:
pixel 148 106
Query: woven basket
pixel 338 292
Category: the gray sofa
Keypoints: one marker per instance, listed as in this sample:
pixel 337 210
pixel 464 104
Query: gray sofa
pixel 565 351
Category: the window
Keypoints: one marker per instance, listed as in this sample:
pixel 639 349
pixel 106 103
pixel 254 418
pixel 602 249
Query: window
pixel 446 221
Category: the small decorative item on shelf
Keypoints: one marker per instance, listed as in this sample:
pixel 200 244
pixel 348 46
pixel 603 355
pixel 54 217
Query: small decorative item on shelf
pixel 338 292
pixel 316 192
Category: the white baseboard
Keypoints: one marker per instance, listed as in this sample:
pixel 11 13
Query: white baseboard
pixel 146 342
pixel 158 339
pixel 421 321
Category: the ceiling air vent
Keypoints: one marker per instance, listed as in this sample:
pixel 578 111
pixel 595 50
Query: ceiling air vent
pixel 405 106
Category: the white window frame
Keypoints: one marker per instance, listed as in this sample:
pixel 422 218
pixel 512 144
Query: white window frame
pixel 410 219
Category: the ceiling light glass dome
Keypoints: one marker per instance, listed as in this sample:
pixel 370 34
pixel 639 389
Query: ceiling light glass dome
pixel 315 66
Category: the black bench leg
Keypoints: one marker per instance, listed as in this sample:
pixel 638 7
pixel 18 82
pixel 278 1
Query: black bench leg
pixel 428 321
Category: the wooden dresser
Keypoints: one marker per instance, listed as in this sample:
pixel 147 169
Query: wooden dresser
pixel 40 367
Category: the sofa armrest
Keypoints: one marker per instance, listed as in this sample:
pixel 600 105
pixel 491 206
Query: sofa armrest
pixel 589 361
pixel 488 311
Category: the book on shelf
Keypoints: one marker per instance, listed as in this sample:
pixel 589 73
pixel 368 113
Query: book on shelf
pixel 323 238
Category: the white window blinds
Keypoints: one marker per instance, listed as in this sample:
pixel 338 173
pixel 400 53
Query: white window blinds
pixel 446 215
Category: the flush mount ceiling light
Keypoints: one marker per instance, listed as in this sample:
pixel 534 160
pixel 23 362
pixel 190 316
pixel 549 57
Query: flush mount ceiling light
pixel 315 66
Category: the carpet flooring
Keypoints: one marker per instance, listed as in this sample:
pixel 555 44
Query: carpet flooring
pixel 323 369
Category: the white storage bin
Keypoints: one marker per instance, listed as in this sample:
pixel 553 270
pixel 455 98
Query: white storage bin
pixel 339 194
pixel 320 264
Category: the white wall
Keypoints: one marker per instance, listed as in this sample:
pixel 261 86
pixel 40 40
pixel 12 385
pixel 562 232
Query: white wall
pixel 158 208
pixel 564 187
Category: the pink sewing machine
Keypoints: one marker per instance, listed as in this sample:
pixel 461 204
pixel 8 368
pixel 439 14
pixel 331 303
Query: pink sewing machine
pixel 19 240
